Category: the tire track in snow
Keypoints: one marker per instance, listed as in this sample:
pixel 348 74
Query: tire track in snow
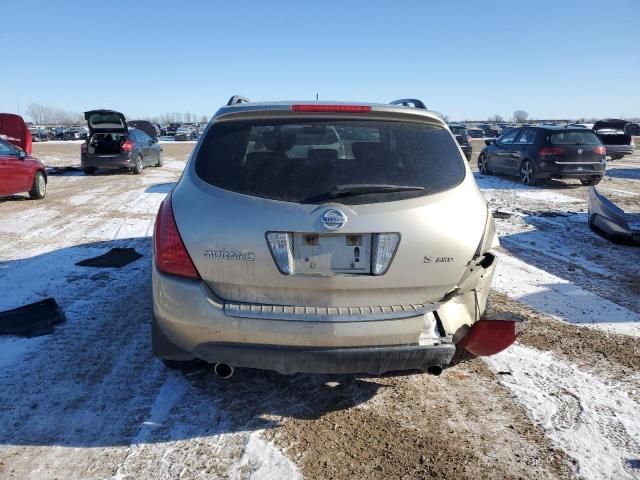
pixel 589 418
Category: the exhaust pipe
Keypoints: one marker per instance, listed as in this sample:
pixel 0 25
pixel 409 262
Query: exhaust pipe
pixel 435 370
pixel 223 370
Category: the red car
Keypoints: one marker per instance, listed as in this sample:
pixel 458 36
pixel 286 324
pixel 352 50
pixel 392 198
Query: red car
pixel 19 171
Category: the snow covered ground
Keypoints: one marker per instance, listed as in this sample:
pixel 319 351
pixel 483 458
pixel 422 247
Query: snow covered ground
pixel 89 401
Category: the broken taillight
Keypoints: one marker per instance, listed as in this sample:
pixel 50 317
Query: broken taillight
pixel 171 255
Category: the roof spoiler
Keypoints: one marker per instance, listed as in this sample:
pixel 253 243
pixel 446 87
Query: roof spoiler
pixel 236 99
pixel 410 102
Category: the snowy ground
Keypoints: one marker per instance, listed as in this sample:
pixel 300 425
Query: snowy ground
pixel 89 401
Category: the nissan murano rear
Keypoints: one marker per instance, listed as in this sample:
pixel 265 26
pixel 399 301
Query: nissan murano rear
pixel 325 238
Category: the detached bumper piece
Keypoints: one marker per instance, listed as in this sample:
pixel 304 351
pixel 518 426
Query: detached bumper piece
pixel 489 336
pixel 610 221
pixel 369 360
pixel 114 258
pixel 31 320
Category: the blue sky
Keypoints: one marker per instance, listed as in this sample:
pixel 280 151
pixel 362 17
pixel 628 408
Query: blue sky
pixel 467 59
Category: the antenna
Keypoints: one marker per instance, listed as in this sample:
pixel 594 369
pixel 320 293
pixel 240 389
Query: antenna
pixel 317 97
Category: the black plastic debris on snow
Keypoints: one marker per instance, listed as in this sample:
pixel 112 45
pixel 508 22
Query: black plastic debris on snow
pixel 31 320
pixel 114 258
pixel 499 214
pixel 64 170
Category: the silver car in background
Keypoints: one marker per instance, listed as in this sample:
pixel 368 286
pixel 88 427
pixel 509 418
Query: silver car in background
pixel 325 238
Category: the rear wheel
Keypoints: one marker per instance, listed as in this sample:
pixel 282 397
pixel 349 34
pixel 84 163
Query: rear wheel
pixel 527 174
pixel 589 182
pixel 137 169
pixel 483 164
pixel 89 171
pixel 39 187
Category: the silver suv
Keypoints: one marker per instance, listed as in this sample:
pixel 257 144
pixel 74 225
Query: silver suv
pixel 325 238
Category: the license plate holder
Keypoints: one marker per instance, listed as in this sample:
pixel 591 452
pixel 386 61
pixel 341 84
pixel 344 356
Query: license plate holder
pixel 327 254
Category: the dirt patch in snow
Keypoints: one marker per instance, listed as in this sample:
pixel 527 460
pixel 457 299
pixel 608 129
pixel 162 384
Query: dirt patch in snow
pixel 426 427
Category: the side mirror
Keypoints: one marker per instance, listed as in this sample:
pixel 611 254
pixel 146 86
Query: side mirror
pixel 22 154
pixel 490 141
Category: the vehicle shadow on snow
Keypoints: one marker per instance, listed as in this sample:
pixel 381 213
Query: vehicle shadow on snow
pixel 94 381
pixel 513 183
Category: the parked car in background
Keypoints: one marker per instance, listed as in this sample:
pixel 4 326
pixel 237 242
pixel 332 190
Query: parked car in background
pixel 379 261
pixel 462 137
pixel 112 145
pixel 535 153
pixel 615 138
pixel 475 132
pixel 171 129
pixel 19 171
pixel 39 134
pixel 633 128
pixel 162 130
pixel 184 133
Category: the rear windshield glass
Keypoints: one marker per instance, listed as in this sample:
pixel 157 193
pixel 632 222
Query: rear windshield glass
pixel 304 161
pixel 105 120
pixel 584 137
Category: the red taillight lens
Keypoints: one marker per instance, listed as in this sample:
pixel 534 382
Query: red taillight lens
pixel 551 151
pixel 83 147
pixel 127 146
pixel 488 337
pixel 331 108
pixel 171 255
pixel 600 150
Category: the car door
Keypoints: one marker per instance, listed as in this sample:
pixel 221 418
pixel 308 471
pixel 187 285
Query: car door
pixel 501 150
pixel 146 144
pixel 15 176
pixel 519 149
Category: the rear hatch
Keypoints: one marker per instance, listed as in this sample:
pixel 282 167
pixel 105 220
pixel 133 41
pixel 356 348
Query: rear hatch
pixel 14 130
pixel 573 146
pixel 271 216
pixel 612 131
pixel 146 126
pixel 105 121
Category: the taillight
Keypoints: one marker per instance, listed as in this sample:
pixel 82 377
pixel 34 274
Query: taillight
pixel 551 151
pixel 331 108
pixel 600 150
pixel 83 148
pixel 384 248
pixel 127 146
pixel 171 255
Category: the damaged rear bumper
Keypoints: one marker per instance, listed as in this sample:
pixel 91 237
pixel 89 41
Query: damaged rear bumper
pixel 610 221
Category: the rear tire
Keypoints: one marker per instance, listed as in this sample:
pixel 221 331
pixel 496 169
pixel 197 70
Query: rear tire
pixel 527 173
pixel 483 165
pixel 590 182
pixel 89 171
pixel 39 187
pixel 137 169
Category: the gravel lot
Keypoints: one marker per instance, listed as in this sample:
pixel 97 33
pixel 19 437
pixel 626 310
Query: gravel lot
pixel 90 401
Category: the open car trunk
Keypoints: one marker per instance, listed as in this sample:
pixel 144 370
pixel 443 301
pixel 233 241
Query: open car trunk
pixel 612 131
pixel 107 132
pixel 146 126
pixel 15 131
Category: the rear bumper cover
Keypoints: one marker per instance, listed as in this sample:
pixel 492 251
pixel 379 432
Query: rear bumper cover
pixel 619 149
pixel 110 161
pixel 287 360
pixel 609 220
pixel 571 170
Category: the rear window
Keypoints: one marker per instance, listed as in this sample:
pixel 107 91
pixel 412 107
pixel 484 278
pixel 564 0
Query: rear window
pixel 580 137
pixel 302 161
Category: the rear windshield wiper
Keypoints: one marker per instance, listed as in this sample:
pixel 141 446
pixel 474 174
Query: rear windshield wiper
pixel 349 190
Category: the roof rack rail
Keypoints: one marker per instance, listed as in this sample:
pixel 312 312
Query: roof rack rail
pixel 237 99
pixel 410 102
